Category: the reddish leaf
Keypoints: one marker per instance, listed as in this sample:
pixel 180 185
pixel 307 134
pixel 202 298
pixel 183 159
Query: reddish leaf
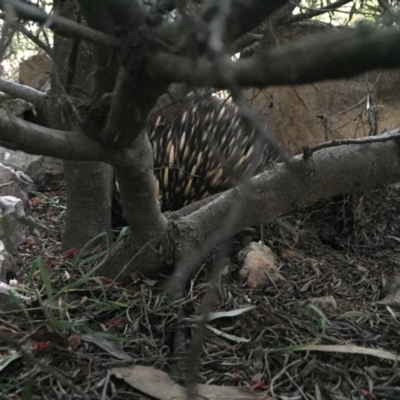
pixel 74 342
pixel 114 322
pixel 368 395
pixel 104 280
pixel 40 345
pixel 71 253
pixel 83 365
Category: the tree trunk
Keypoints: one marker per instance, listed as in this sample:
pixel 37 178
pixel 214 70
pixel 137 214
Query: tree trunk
pixel 88 209
pixel 88 183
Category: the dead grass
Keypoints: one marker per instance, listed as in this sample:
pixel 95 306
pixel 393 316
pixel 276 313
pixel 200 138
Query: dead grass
pixel 65 344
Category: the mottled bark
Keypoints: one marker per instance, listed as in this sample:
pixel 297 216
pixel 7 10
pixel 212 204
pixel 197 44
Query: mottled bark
pixel 88 183
pixel 331 171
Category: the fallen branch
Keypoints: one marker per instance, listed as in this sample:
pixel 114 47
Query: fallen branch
pixel 330 171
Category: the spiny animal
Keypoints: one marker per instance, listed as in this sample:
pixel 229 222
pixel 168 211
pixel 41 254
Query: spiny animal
pixel 201 147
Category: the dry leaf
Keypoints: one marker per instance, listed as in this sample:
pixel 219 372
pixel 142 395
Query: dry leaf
pixel 159 385
pixel 350 350
pixel 108 346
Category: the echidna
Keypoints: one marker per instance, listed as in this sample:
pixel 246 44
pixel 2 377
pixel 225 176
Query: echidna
pixel 201 147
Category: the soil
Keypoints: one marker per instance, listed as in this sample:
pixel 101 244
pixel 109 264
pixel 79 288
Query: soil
pixel 77 327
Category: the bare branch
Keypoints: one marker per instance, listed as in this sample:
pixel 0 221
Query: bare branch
pixel 324 56
pixel 308 14
pixel 17 134
pixel 387 136
pixel 34 39
pixel 21 91
pixel 60 25
pixel 384 4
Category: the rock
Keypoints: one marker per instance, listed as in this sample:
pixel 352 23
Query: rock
pixel 35 71
pixel 9 174
pixel 327 110
pixel 8 268
pixel 12 189
pixel 44 171
pixel 326 304
pixel 13 230
pixel 16 184
pixel 259 269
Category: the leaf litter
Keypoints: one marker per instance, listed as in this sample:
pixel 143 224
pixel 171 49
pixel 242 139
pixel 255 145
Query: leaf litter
pixel 92 338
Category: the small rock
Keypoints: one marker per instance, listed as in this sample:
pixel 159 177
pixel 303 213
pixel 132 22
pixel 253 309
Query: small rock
pixel 13 230
pixel 44 171
pixel 326 304
pixel 8 268
pixel 9 174
pixel 12 189
pixel 259 269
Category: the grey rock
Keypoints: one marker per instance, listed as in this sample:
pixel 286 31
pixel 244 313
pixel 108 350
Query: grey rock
pixel 44 171
pixel 13 230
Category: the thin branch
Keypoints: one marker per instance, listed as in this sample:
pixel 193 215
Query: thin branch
pixel 385 137
pixel 62 26
pixel 308 14
pixel 384 4
pixel 17 134
pixel 35 39
pixel 325 56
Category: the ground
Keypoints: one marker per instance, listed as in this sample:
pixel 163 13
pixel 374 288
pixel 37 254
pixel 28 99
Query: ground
pixel 78 327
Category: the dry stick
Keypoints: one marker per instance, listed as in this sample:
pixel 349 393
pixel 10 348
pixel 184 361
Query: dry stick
pixel 34 39
pixel 391 135
pixel 313 13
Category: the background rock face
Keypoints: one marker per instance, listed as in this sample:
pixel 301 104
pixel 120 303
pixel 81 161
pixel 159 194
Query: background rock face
pixel 310 114
pixel 44 171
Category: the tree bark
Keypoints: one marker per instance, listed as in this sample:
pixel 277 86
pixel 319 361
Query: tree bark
pixel 88 212
pixel 88 183
pixel 188 239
